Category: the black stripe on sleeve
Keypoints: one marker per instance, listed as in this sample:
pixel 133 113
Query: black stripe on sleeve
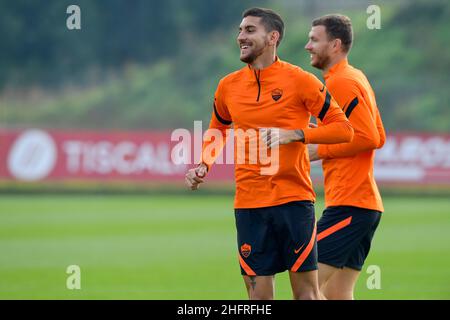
pixel 351 106
pixel 222 120
pixel 326 106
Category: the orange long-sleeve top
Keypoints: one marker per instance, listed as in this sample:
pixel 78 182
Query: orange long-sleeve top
pixel 279 96
pixel 348 167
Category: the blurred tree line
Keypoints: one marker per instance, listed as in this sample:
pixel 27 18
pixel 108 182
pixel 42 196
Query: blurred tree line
pixel 37 47
pixel 151 64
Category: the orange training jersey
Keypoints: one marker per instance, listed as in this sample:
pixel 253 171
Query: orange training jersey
pixel 281 96
pixel 348 167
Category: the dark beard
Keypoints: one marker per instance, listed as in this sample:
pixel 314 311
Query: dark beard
pixel 249 59
pixel 252 57
pixel 322 63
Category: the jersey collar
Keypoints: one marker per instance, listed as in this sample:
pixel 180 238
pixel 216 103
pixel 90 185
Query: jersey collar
pixel 341 65
pixel 269 69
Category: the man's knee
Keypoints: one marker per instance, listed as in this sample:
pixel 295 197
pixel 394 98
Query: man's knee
pixel 335 294
pixel 308 294
pixel 260 295
pixel 305 285
pixel 308 291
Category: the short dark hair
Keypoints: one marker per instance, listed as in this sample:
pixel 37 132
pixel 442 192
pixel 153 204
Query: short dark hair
pixel 269 18
pixel 337 26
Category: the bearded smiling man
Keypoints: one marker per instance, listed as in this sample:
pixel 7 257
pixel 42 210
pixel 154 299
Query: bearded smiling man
pixel 353 202
pixel 276 227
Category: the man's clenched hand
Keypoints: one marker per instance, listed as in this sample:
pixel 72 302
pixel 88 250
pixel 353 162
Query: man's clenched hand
pixel 195 176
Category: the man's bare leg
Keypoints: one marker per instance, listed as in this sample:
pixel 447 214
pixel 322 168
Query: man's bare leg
pixel 325 273
pixel 260 287
pixel 341 284
pixel 305 285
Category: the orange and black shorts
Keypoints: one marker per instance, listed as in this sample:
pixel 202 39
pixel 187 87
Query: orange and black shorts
pixel 344 236
pixel 276 239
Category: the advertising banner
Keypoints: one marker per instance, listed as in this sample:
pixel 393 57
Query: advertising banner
pixel 52 155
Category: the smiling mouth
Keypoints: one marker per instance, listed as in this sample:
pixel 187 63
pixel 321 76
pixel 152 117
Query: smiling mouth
pixel 244 46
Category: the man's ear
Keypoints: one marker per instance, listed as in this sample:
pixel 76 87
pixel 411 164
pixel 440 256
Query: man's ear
pixel 274 36
pixel 337 44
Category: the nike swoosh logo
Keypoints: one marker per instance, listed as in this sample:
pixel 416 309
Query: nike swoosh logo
pixel 321 90
pixel 298 250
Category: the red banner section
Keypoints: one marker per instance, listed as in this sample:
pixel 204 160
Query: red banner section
pixel 45 155
pixel 414 158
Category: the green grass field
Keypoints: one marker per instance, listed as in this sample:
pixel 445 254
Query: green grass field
pixel 183 247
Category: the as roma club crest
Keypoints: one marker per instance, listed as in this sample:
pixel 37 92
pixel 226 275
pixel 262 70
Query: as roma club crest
pixel 276 94
pixel 246 249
